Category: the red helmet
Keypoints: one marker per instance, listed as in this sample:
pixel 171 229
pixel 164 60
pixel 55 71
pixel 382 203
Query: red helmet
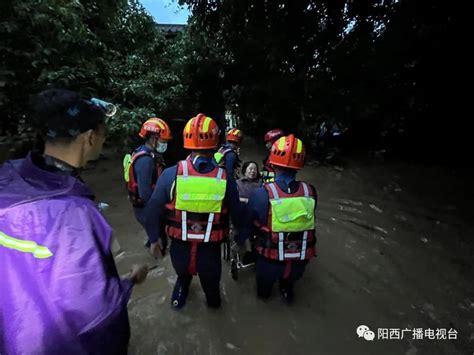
pixel 156 125
pixel 234 135
pixel 288 152
pixel 201 132
pixel 273 135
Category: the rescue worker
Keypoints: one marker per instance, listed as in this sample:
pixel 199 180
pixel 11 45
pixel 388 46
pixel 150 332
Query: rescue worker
pixel 228 154
pixel 60 290
pixel 193 200
pixel 144 166
pixel 282 214
pixel 268 174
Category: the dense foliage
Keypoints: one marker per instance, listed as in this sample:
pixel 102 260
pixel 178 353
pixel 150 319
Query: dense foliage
pixel 389 70
pixel 385 70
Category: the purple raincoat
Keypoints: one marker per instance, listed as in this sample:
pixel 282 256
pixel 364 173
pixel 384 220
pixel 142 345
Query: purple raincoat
pixel 59 289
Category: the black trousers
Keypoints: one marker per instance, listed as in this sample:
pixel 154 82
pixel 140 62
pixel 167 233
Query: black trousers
pixel 209 267
pixel 268 271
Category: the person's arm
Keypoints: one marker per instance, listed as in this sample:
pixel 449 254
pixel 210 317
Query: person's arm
pixel 230 161
pixel 315 204
pixel 155 208
pixel 315 198
pixel 84 282
pixel 232 201
pixel 144 168
pixel 256 213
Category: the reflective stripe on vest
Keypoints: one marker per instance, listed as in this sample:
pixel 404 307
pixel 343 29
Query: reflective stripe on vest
pixel 199 194
pixel 295 216
pixel 25 246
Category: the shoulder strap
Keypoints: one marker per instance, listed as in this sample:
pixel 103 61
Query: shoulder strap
pixel 140 154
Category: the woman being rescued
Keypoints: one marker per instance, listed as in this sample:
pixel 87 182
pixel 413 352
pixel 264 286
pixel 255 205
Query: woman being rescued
pixel 246 185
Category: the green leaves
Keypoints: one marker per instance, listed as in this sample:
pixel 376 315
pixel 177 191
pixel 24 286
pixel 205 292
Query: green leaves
pixel 106 48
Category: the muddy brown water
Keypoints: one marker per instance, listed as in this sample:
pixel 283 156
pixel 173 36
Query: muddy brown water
pixel 395 251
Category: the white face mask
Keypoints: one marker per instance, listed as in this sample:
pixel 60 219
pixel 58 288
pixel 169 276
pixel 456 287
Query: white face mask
pixel 161 147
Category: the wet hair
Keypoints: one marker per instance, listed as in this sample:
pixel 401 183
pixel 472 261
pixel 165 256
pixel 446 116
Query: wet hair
pixel 246 165
pixel 61 115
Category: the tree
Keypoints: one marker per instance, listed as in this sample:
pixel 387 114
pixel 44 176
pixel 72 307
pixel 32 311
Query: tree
pixel 380 67
pixel 108 48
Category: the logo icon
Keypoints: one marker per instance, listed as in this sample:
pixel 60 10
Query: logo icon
pixel 363 331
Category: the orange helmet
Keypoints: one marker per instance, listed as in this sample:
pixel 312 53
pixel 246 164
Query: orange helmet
pixel 201 132
pixel 234 135
pixel 156 125
pixel 288 152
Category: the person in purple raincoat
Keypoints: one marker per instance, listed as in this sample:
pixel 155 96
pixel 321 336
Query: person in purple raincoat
pixel 60 292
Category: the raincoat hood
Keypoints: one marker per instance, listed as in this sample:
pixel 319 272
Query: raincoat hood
pixel 21 181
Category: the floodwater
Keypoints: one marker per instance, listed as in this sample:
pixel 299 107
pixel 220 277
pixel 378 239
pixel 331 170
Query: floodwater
pixel 395 252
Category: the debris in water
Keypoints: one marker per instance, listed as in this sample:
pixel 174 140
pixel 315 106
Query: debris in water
pixel 349 209
pixel 333 219
pixel 365 225
pixel 376 208
pixel 348 202
pixel 155 272
pixel 380 229
pixel 119 256
pixel 424 240
pixel 231 346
